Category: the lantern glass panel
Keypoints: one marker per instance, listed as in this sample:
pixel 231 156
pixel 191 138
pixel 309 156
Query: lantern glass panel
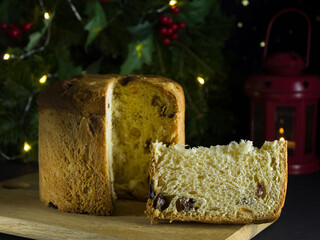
pixel 258 138
pixel 285 126
pixel 309 127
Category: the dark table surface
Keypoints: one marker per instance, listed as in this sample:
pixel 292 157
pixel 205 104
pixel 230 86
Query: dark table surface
pixel 300 217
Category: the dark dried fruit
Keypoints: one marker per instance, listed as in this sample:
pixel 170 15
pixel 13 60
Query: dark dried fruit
pixel 135 132
pixel 147 145
pixel 260 190
pixel 160 202
pixel 52 205
pixel 187 204
pixel 163 111
pixel 152 193
pixel 126 80
pixel 156 101
pixel 172 115
pixel 68 85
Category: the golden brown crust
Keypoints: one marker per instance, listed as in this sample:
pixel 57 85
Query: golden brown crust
pixel 72 140
pixel 82 95
pixel 155 215
pixel 73 174
pixel 85 94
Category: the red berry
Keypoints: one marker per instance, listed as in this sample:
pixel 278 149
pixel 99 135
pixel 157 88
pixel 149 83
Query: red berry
pixel 174 27
pixel 174 36
pixel 14 32
pixel 163 31
pixel 169 31
pixel 103 1
pixel 169 20
pixel 175 10
pixel 26 26
pixel 3 26
pixel 166 41
pixel 12 25
pixel 182 25
pixel 164 19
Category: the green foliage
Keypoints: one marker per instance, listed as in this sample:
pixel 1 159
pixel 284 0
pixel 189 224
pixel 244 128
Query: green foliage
pixel 97 21
pixel 140 52
pixel 195 12
pixel 35 37
pixel 115 37
pixel 66 69
pixel 141 31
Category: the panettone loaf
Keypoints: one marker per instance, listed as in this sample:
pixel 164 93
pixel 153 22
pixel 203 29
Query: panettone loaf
pixel 237 183
pixel 94 137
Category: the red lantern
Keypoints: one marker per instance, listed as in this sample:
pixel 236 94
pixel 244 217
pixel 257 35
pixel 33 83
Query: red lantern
pixel 283 104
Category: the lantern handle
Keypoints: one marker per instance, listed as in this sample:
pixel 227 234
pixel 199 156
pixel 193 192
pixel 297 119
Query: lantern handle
pixel 309 31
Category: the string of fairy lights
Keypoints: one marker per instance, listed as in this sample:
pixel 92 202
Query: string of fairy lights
pixel 43 79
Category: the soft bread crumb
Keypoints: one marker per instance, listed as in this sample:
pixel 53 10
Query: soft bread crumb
pixel 236 183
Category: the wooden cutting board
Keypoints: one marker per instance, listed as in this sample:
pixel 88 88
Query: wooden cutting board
pixel 22 214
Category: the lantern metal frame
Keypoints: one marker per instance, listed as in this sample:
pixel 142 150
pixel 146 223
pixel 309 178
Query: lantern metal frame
pixel 284 86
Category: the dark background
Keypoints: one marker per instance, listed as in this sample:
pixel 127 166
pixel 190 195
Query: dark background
pixel 288 34
pixel 300 216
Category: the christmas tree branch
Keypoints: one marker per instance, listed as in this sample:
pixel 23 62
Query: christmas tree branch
pixel 163 69
pixel 185 89
pixel 19 86
pixel 195 56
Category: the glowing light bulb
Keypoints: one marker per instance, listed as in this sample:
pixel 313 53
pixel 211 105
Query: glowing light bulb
pixel 46 15
pixel 245 3
pixel 262 44
pixel 26 147
pixel 282 139
pixel 200 80
pixel 240 24
pixel 172 2
pixel 6 56
pixel 281 130
pixel 43 79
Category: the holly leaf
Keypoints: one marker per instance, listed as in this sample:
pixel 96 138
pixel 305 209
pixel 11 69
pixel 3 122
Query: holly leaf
pixel 35 37
pixel 194 12
pixel 97 21
pixel 141 31
pixel 140 52
pixel 66 69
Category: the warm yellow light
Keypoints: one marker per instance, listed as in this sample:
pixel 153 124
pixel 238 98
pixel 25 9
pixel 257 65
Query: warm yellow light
pixel 43 79
pixel 281 130
pixel 282 139
pixel 26 147
pixel 262 44
pixel 240 24
pixel 172 2
pixel 46 15
pixel 138 48
pixel 6 56
pixel 245 3
pixel 200 80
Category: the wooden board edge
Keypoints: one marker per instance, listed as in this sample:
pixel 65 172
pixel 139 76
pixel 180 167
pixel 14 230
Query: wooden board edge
pixel 249 231
pixel 41 231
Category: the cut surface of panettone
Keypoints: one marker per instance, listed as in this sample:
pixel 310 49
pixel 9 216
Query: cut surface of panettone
pixel 235 183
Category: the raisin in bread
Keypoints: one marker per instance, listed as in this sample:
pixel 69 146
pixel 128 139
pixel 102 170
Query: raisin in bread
pixel 94 137
pixel 236 183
